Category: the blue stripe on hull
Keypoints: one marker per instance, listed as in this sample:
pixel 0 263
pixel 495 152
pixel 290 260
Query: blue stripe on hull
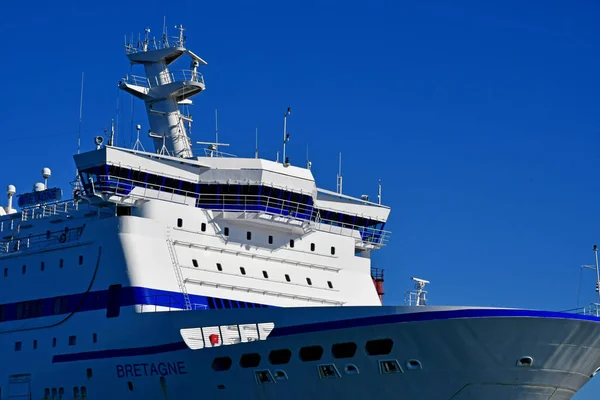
pixel 115 353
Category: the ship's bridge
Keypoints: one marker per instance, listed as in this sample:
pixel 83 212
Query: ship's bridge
pixel 263 190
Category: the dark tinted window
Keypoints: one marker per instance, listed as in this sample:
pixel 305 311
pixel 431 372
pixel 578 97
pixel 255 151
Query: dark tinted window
pixel 221 364
pixel 292 243
pixel 243 270
pixel 311 353
pixel 226 231
pixel 113 308
pixel 270 239
pixel 343 350
pixel 203 227
pixel 330 284
pixel 195 262
pixel 332 250
pixel 219 267
pixel 248 235
pixel 379 347
pixel 179 222
pixel 312 247
pixel 278 357
pixel 287 278
pixel 265 274
pixel 250 360
pixel 309 281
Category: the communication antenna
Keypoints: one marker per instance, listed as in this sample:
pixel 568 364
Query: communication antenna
pixel 339 176
pixel 256 148
pixel 379 191
pixel 138 142
pixel 308 163
pixel 286 136
pixel 80 116
pixel 216 131
pixel 111 141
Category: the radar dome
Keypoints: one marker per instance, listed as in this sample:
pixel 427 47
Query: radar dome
pixel 11 189
pixel 46 173
pixel 38 187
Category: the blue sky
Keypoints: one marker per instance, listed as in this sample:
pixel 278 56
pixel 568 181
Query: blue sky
pixel 482 120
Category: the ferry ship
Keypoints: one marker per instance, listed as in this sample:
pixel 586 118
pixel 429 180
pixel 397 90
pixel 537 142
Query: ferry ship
pixel 170 276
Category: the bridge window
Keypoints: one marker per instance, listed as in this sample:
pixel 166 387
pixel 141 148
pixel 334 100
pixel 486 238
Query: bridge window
pixel 179 222
pixel 203 227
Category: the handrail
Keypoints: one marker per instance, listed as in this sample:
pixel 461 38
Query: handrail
pixel 41 240
pixel 303 212
pixel 164 78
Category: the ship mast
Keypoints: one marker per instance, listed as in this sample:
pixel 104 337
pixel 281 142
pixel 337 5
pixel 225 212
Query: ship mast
pixel 163 90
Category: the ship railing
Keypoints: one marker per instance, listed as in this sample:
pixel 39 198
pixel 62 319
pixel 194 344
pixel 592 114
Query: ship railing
pixel 164 78
pixel 41 241
pixel 49 209
pixel 592 309
pixel 283 210
pixel 414 298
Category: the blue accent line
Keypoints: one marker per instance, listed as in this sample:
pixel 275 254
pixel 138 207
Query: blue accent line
pixel 424 316
pixel 115 353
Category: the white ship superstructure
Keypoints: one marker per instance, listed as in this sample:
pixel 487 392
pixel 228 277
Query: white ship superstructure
pixel 169 275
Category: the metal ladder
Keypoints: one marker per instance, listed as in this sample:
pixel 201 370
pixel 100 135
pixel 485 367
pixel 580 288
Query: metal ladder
pixel 177 268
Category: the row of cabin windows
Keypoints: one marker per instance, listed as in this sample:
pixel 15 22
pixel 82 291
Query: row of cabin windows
pixel 265 274
pixel 72 342
pixel 249 236
pixel 375 347
pixel 61 264
pixel 61 392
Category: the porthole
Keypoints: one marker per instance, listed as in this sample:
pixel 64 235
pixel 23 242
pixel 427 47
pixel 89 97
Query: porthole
pixel 379 347
pixel 250 360
pixel 280 375
pixel 221 363
pixel 351 369
pixel 525 362
pixel 343 350
pixel 311 353
pixel 278 357
pixel 195 262
pixel 414 364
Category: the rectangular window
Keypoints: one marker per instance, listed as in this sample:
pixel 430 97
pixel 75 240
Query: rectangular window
pixel 42 266
pixel 179 222
pixel 203 227
pixel 2 312
pixel 312 247
pixel 226 231
pixel 5 272
pixel 330 284
pixel 265 274
pixel 195 263
pixel 113 308
pixel 24 269
pixel 292 243
pixel 243 270
pixel 72 340
pixel 287 278
pixel 18 346
pixel 249 235
pixel 80 260
pixel 34 344
pixel 95 338
pixel 332 250
pixel 270 239
pixel 309 281
pixel 219 267
pixel 61 263
pixel 53 342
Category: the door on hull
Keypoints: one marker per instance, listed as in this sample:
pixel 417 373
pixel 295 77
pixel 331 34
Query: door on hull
pixel 19 387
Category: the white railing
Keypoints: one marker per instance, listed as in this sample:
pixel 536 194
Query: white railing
pixel 255 204
pixel 40 241
pixel 164 78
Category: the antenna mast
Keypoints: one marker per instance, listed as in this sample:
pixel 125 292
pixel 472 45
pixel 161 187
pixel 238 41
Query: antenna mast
pixel 216 131
pixel 379 191
pixel 339 176
pixel 80 116
pixel 286 136
pixel 256 148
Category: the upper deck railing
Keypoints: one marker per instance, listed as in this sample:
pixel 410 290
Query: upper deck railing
pixel 164 78
pixel 302 212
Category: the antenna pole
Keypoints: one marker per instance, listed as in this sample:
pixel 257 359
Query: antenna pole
pixel 597 272
pixel 339 176
pixel 216 131
pixel 286 137
pixel 256 151
pixel 379 191
pixel 80 116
